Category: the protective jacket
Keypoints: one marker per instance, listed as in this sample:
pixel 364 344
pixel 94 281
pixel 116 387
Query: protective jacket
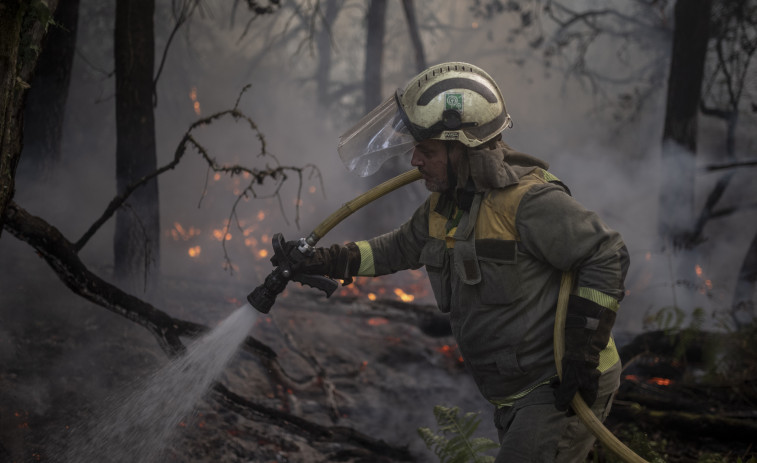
pixel 494 253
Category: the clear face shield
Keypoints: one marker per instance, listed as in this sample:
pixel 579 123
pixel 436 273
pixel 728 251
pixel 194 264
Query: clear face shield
pixel 378 137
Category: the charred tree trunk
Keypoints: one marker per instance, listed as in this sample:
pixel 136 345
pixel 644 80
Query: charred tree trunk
pixel 679 140
pixel 374 53
pixel 46 103
pixel 22 28
pixel 324 51
pixel 137 238
pixel 415 35
pixel 743 296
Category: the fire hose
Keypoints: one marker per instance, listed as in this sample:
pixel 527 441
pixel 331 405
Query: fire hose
pixel 263 297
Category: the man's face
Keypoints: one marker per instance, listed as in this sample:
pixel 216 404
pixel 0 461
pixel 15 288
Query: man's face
pixel 430 157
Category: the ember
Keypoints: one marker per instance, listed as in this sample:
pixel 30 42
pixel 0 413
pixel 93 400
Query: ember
pixel 403 295
pixel 660 381
pixel 195 103
pixel 377 321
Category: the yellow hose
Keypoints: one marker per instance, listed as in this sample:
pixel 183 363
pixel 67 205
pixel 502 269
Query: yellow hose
pixel 579 406
pixel 353 205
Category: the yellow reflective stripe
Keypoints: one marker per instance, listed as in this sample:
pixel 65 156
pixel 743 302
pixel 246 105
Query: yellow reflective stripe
pixel 367 265
pixel 608 357
pixel 549 176
pixel 510 400
pixel 599 297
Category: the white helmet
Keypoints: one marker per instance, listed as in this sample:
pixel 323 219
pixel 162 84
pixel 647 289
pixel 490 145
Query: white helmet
pixel 450 101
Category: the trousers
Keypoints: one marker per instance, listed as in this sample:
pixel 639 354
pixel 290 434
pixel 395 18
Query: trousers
pixel 533 430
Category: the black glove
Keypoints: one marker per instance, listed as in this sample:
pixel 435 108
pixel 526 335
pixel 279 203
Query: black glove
pixel 341 262
pixel 587 332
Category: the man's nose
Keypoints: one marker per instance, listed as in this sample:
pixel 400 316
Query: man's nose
pixel 415 161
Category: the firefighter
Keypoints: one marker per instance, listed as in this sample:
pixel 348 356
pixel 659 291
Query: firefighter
pixel 495 235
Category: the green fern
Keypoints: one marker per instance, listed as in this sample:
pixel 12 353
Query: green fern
pixel 453 442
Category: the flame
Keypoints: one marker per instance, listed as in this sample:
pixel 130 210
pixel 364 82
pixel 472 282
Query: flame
pixel 371 297
pixel 195 103
pixel 218 234
pixel 178 232
pixel 631 378
pixel 194 251
pixel 403 295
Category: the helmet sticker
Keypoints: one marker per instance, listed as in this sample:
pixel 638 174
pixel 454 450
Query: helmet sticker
pixel 453 101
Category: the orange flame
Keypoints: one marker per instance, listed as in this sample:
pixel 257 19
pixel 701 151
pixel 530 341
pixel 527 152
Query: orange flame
pixel 403 295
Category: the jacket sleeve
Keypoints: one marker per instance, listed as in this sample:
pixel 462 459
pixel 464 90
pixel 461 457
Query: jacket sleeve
pixel 557 229
pixel 397 250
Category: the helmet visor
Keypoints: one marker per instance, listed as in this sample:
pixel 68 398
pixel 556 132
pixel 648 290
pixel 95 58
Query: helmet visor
pixel 378 137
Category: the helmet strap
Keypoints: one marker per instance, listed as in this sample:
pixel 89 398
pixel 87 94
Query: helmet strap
pixel 451 174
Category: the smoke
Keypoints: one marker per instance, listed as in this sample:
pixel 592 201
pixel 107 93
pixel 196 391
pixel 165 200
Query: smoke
pixel 611 165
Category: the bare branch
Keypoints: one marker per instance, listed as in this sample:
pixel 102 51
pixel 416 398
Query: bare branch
pixel 257 175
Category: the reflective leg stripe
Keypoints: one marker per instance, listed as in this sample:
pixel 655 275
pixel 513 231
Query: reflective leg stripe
pixel 367 266
pixel 509 401
pixel 608 357
pixel 599 297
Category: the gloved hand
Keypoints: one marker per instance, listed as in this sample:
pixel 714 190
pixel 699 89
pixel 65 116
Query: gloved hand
pixel 341 262
pixel 587 332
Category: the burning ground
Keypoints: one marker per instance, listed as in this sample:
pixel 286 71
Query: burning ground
pixel 346 379
pixel 352 378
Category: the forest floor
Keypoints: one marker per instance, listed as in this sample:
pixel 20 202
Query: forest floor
pixel 373 367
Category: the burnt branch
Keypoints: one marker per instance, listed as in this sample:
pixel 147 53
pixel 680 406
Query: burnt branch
pixel 61 255
pixel 257 176
pixel 377 450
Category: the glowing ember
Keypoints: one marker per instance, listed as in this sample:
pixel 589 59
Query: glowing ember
pixel 377 321
pixel 403 295
pixel 371 296
pixel 262 253
pixel 195 103
pixel 660 381
pixel 631 378
pixel 194 251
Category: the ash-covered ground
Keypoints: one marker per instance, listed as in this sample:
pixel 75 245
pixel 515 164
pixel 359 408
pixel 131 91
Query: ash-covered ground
pixel 347 362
